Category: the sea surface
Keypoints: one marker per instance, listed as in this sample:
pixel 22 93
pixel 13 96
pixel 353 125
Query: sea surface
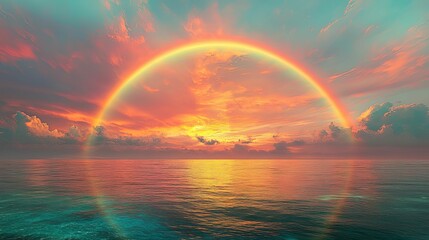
pixel 214 199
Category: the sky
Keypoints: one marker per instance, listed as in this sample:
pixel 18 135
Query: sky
pixel 356 83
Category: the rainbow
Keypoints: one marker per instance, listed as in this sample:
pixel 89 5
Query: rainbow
pixel 338 110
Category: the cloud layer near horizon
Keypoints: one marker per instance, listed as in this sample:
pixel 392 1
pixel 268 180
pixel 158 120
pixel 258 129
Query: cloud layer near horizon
pixel 381 125
pixel 385 125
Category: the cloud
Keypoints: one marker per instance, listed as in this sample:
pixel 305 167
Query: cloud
pixel 74 133
pixel 339 133
pixel 25 129
pixel 296 143
pixel 392 66
pixel 323 134
pixel 326 28
pixel 239 148
pixel 248 141
pixel 384 124
pixel 6 135
pixel 127 140
pixel 202 139
pixel 146 19
pixel 119 31
pixel 350 6
pixel 372 118
pixel 387 124
pixel 19 51
pixel 98 135
pixel 206 23
pixel 335 134
pixel 280 147
pixel 15 44
pixel 32 125
pixel 100 45
pixel 382 128
pixel 101 140
pixel 194 26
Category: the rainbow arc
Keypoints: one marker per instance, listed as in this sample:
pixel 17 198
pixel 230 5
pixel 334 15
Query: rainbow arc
pixel 138 75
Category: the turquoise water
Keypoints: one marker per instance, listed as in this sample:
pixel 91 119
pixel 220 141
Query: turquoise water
pixel 212 199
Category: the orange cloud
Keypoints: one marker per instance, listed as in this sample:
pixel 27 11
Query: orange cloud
pixel 37 127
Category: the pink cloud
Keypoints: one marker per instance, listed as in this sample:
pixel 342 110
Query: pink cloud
pixel 118 48
pixel 13 53
pixel 150 89
pixel 15 44
pixel 66 63
pixel 402 63
pixel 351 5
pixel 107 4
pixel 340 75
pixel 369 29
pixel 118 31
pixel 145 19
pixel 206 23
pixel 327 27
pixel 194 26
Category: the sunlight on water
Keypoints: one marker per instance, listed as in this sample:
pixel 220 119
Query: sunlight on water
pixel 176 199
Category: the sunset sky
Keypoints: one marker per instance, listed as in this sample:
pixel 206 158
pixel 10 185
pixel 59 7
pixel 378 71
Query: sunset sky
pixel 213 78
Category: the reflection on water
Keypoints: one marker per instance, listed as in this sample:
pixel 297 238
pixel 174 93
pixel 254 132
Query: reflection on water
pixel 176 199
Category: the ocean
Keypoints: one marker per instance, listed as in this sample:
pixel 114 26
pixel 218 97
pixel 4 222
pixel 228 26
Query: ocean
pixel 214 199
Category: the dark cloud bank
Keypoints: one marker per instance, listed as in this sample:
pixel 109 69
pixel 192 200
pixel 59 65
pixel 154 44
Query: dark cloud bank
pixel 384 130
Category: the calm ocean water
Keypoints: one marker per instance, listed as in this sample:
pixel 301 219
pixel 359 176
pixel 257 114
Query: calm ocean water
pixel 212 199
